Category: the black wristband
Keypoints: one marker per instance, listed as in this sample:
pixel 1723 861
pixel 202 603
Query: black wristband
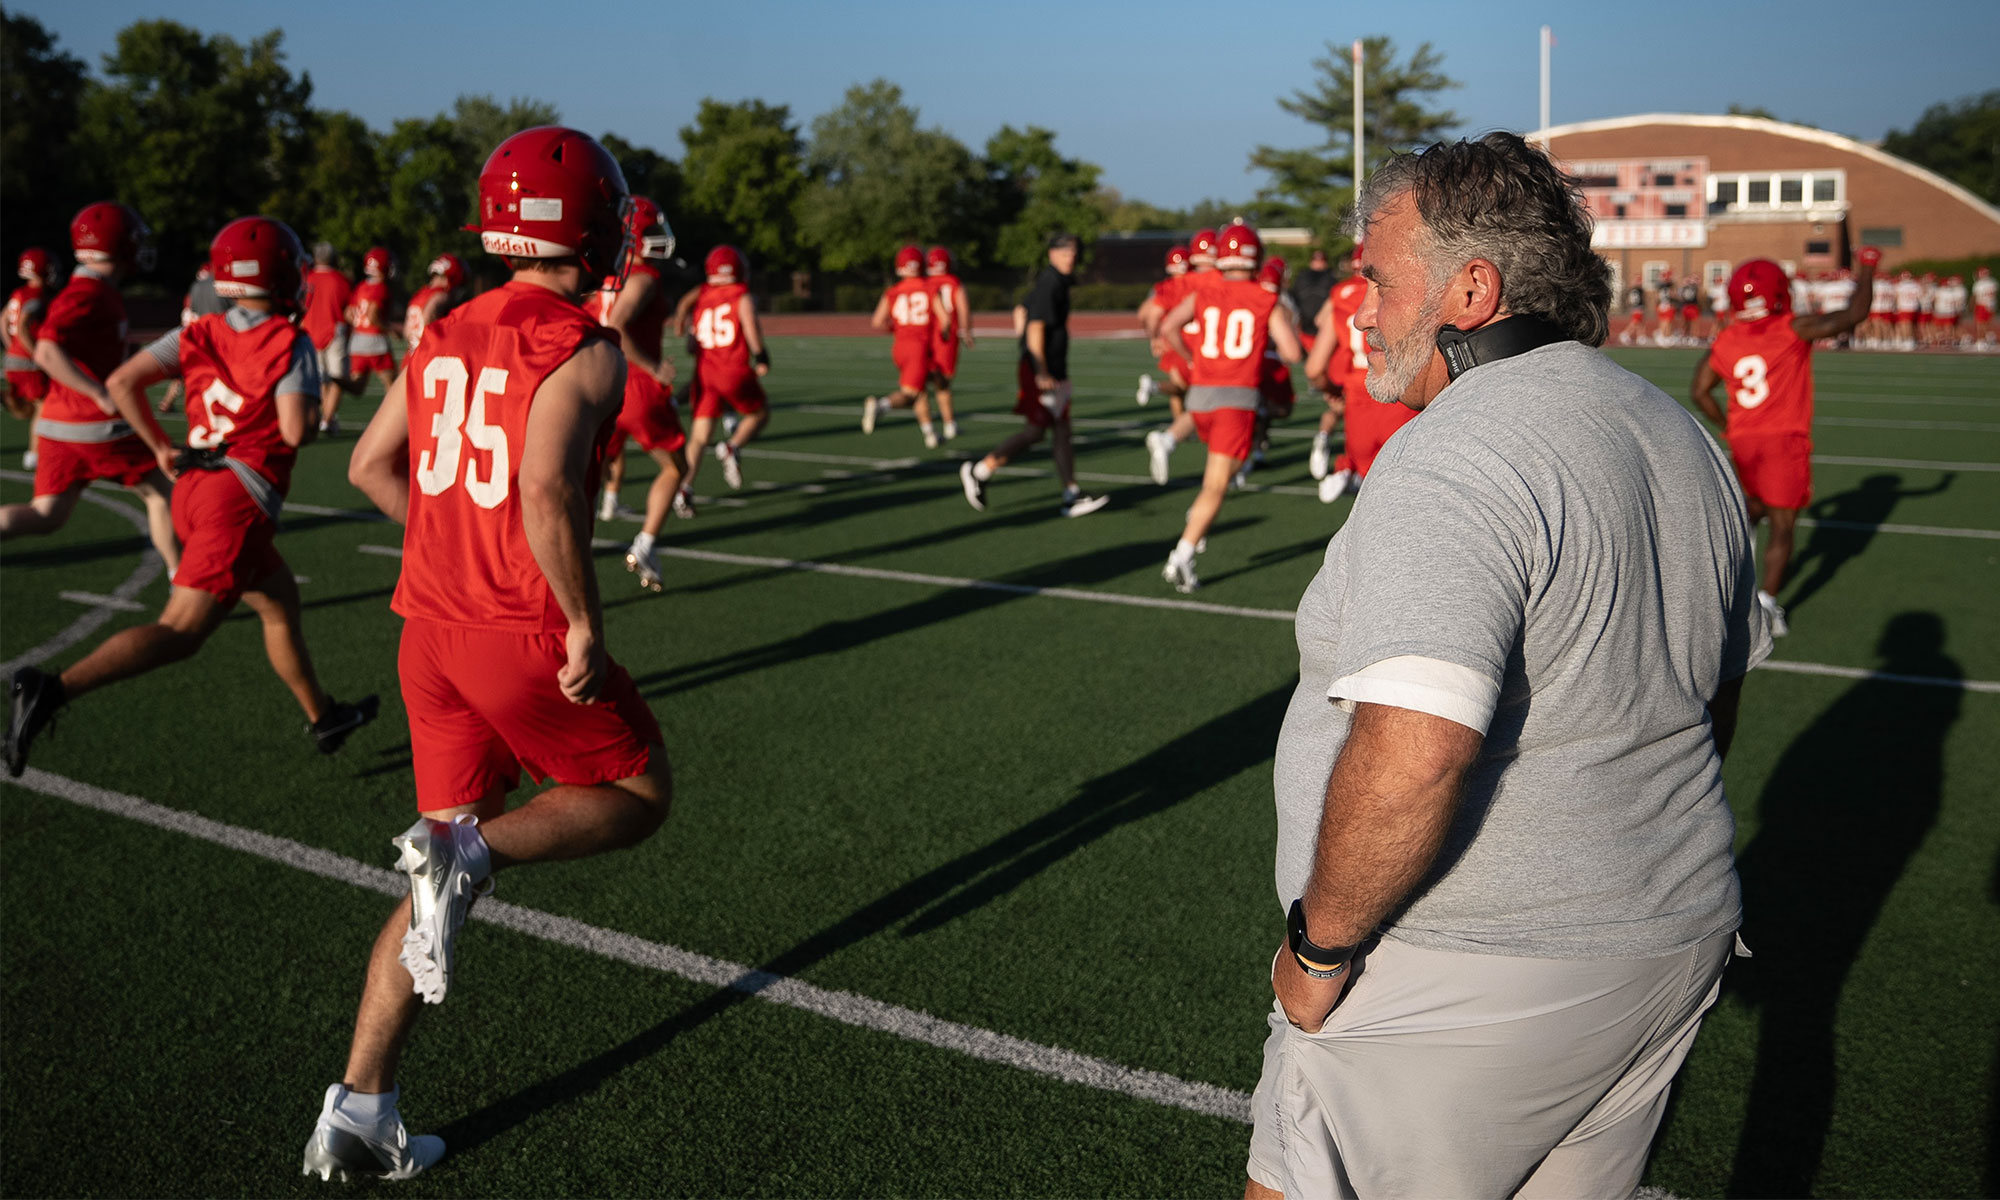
pixel 762 358
pixel 1320 962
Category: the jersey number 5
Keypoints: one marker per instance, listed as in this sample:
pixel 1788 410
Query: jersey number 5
pixel 217 403
pixel 1752 388
pixel 453 425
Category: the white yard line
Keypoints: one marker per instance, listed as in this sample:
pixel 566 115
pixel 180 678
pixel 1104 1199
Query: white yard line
pixel 848 1008
pixel 90 622
pixel 1914 464
pixel 114 603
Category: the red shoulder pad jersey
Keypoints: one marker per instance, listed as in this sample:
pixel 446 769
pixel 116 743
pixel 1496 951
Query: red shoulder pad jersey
pixel 910 309
pixel 1190 332
pixel 24 318
pixel 413 316
pixel 368 301
pixel 721 349
pixel 1234 319
pixel 465 552
pixel 327 294
pixel 232 377
pixel 1349 364
pixel 88 321
pixel 945 290
pixel 1768 370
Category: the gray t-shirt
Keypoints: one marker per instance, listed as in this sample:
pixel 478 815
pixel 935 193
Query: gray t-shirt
pixel 1555 554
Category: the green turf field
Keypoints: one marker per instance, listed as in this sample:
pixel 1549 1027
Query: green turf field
pixel 1003 854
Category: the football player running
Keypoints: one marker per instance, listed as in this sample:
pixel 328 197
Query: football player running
pixel 328 293
pixel 26 384
pixel 905 310
pixel 368 340
pixel 953 314
pixel 1237 319
pixel 253 387
pixel 1160 443
pixel 79 435
pixel 443 289
pixel 484 448
pixel 1764 362
pixel 1172 365
pixel 636 306
pixel 730 361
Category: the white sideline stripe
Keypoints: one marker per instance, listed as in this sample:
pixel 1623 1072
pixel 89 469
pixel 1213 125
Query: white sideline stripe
pixel 848 1008
pixel 1919 464
pixel 382 551
pixel 1931 530
pixel 1872 423
pixel 1806 668
pixel 149 569
pixel 114 603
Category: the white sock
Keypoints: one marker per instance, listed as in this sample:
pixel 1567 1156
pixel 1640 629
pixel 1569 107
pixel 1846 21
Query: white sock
pixel 981 471
pixel 610 501
pixel 1319 440
pixel 1170 440
pixel 1184 550
pixel 926 427
pixel 369 1108
pixel 642 544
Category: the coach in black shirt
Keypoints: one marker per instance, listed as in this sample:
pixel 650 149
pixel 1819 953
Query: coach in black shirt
pixel 1043 378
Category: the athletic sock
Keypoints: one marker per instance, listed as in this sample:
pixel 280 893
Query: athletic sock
pixel 1320 440
pixel 642 544
pixel 369 1108
pixel 1071 492
pixel 1170 440
pixel 927 427
pixel 981 471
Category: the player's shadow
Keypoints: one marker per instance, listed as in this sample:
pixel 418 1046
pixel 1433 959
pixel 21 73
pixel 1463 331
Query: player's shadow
pixel 1846 525
pixel 1179 770
pixel 1841 815
pixel 18 556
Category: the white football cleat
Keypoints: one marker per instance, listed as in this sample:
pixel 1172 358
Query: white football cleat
pixel 1774 615
pixel 1180 572
pixel 732 471
pixel 930 439
pixel 1157 451
pixel 950 430
pixel 975 490
pixel 345 1148
pixel 684 504
pixel 1145 393
pixel 1320 461
pixel 449 868
pixel 868 407
pixel 1081 505
pixel 1334 486
pixel 646 566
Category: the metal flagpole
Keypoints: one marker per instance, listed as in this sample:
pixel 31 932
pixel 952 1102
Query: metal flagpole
pixel 1547 41
pixel 1357 117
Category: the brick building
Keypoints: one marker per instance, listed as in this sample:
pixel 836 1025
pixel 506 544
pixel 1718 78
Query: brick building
pixel 1694 195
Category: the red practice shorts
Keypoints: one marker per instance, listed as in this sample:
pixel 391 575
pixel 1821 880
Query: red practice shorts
pixel 1690 311
pixel 28 385
pixel 1906 318
pixel 739 390
pixel 484 705
pixel 944 358
pixel 64 465
pixel 913 362
pixel 1175 364
pixel 1370 425
pixel 1776 468
pixel 359 363
pixel 648 417
pixel 226 546
pixel 1028 400
pixel 1226 431
pixel 1980 313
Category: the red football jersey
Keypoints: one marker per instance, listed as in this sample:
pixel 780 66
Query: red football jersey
pixel 910 309
pixel 24 319
pixel 232 378
pixel 944 304
pixel 1233 316
pixel 1349 365
pixel 1768 370
pixel 369 301
pixel 723 352
pixel 649 326
pixel 413 316
pixel 88 321
pixel 465 552
pixel 327 294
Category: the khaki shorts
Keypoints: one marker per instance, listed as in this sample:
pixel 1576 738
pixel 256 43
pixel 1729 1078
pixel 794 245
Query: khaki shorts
pixel 1450 1074
pixel 333 360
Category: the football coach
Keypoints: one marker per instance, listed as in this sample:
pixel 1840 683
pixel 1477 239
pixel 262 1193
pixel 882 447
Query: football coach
pixel 1503 845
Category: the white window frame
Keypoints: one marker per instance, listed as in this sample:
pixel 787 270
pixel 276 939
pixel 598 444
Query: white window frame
pixel 1775 180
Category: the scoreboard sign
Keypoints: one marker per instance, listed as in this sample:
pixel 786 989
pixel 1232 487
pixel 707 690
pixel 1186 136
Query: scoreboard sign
pixel 1641 203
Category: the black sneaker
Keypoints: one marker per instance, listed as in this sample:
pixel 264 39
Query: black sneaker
pixel 342 719
pixel 36 697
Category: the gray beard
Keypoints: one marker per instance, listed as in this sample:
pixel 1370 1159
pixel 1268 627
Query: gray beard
pixel 1392 369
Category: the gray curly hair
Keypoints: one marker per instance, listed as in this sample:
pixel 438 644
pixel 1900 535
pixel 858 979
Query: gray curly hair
pixel 1503 200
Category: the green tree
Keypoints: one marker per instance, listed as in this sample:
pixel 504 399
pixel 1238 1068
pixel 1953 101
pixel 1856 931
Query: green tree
pixel 745 172
pixel 1314 186
pixel 40 90
pixel 431 190
pixel 1959 140
pixel 483 123
pixel 876 181
pixel 194 131
pixel 339 194
pixel 1036 191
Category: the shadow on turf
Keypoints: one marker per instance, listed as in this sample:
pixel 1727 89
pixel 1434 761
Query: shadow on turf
pixel 1841 814
pixel 1833 547
pixel 1183 768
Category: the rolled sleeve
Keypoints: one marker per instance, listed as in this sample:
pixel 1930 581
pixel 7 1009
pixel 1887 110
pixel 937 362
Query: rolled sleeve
pixel 1425 685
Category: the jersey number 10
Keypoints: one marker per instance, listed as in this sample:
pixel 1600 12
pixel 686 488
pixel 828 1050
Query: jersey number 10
pixel 1239 333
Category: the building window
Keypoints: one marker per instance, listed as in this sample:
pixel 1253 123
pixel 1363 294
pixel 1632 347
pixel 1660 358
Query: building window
pixel 1889 238
pixel 1665 180
pixel 1821 248
pixel 1715 272
pixel 1823 190
pixel 1652 272
pixel 1760 191
pixel 1725 191
pixel 1791 190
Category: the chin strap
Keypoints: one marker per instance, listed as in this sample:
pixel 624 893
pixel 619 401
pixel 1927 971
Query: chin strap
pixel 1466 349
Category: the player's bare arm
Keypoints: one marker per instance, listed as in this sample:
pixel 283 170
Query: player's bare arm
pixel 753 333
pixel 1323 343
pixel 684 310
pixel 1285 335
pixel 964 311
pixel 1813 327
pixel 298 418
pixel 1389 801
pixel 1174 318
pixel 569 408
pixel 127 389
pixel 632 300
pixel 1703 391
pixel 879 320
pixel 56 363
pixel 380 464
pixel 1149 314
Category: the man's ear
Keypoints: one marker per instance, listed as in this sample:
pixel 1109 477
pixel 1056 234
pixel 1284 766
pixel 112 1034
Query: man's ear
pixel 1474 295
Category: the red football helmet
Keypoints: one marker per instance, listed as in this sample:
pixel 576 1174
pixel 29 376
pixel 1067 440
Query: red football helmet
pixel 1759 289
pixel 551 192
pixel 937 261
pixel 451 268
pixel 108 231
pixel 726 264
pixel 1201 247
pixel 257 256
pixel 909 261
pixel 1237 248
pixel 646 226
pixel 34 264
pixel 1272 274
pixel 1177 260
pixel 378 262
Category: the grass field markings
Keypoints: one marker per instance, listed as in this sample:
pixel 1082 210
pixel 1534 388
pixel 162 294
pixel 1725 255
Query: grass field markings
pixel 848 1008
pixel 1881 398
pixel 115 603
pixel 1918 464
pixel 1806 668
pixel 149 568
pixel 381 551
pixel 1927 530
pixel 1873 423
pixel 321 510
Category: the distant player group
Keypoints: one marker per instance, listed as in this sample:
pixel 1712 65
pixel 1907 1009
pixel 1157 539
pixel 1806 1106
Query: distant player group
pixel 1905 311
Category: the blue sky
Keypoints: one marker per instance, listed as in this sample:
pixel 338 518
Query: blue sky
pixel 1153 93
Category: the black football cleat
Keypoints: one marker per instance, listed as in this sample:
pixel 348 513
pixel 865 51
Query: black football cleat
pixel 331 730
pixel 36 696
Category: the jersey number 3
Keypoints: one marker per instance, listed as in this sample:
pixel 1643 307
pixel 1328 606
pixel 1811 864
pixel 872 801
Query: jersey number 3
pixel 453 425
pixel 1752 388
